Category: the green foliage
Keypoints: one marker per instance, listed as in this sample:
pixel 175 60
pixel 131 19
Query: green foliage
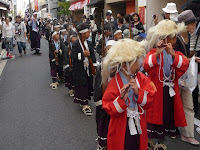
pixel 64 7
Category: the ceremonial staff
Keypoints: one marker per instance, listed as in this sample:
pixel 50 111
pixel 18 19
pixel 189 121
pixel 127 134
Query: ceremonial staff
pixel 83 45
pixel 69 46
pixel 103 49
pixel 131 37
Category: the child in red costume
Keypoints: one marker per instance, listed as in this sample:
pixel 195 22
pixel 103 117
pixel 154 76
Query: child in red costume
pixel 165 66
pixel 128 93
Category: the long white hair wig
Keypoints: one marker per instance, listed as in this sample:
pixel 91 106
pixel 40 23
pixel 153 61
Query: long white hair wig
pixel 163 29
pixel 124 50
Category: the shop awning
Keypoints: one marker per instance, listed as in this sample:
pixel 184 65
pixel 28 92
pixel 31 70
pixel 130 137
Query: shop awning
pixel 78 5
pixel 95 2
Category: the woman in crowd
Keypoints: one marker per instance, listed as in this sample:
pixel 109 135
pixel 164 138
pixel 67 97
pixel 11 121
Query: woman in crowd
pixel 8 34
pixel 183 45
pixel 137 24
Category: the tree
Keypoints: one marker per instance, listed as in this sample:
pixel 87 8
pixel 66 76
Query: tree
pixel 64 7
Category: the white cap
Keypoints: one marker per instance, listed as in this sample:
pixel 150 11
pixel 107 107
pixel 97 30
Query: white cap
pixel 170 8
pixel 110 43
pixel 110 11
pixel 35 13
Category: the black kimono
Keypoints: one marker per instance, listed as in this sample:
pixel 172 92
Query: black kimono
pixel 57 66
pixel 83 81
pixel 102 118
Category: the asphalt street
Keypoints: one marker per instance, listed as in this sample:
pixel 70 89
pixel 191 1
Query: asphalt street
pixel 35 117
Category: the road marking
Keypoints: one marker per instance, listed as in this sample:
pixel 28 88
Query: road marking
pixel 197 122
pixel 2 62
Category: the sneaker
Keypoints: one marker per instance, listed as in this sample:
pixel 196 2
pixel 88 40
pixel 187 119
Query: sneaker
pixel 198 130
pixel 20 54
pixel 11 56
pixel 189 140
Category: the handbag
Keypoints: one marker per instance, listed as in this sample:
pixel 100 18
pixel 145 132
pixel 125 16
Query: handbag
pixel 189 78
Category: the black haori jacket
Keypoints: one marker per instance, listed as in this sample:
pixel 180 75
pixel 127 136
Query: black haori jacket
pixel 60 55
pixel 80 74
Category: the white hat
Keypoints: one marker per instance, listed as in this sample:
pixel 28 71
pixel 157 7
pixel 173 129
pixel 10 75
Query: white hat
pixel 110 43
pixel 110 11
pixel 35 13
pixel 170 8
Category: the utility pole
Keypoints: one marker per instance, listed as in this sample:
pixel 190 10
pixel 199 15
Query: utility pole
pixel 49 7
pixel 30 7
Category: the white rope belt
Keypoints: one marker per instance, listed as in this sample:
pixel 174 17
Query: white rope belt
pixel 134 122
pixel 171 88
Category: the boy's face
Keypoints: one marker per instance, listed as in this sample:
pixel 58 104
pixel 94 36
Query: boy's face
pixel 56 37
pixel 171 40
pixel 118 36
pixel 73 39
pixel 86 35
pixel 191 27
pixel 57 29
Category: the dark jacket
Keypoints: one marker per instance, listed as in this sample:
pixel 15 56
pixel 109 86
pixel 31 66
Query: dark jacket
pixel 80 75
pixel 61 55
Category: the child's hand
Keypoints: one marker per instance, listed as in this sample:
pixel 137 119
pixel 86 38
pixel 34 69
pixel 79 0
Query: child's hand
pixel 170 49
pixel 159 50
pixel 124 90
pixel 134 86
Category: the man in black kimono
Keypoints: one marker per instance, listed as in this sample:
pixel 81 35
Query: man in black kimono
pixel 83 79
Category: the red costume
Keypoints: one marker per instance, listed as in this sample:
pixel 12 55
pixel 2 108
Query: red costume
pixel 154 115
pixel 117 109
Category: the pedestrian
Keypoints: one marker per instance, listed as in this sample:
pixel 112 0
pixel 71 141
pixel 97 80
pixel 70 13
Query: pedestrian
pixel 8 35
pixel 102 118
pixel 170 12
pixel 165 66
pixel 137 24
pixel 56 57
pixel 35 35
pixel 183 45
pixel 83 78
pixel 127 95
pixel 20 35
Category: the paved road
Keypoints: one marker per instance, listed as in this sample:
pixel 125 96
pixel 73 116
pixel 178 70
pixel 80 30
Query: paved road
pixel 35 117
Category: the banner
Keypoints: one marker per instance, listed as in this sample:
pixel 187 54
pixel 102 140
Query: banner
pixel 36 5
pixel 142 14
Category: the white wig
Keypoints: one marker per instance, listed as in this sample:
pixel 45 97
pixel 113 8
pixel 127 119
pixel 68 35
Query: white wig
pixel 124 50
pixel 163 29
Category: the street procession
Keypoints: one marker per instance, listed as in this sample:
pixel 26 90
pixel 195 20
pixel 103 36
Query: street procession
pixel 99 75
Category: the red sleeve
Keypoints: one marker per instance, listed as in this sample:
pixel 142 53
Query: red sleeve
pixel 111 101
pixel 147 90
pixel 180 64
pixel 150 62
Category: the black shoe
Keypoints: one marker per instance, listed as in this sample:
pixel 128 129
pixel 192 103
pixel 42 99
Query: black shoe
pixel 35 53
pixel 39 53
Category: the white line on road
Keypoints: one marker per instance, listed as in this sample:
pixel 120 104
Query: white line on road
pixel 197 122
pixel 2 62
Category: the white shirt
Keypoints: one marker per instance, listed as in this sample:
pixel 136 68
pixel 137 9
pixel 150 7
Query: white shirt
pixel 8 31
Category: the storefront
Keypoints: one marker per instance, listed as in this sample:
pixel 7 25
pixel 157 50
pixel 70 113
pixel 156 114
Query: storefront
pixel 96 8
pixel 79 8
